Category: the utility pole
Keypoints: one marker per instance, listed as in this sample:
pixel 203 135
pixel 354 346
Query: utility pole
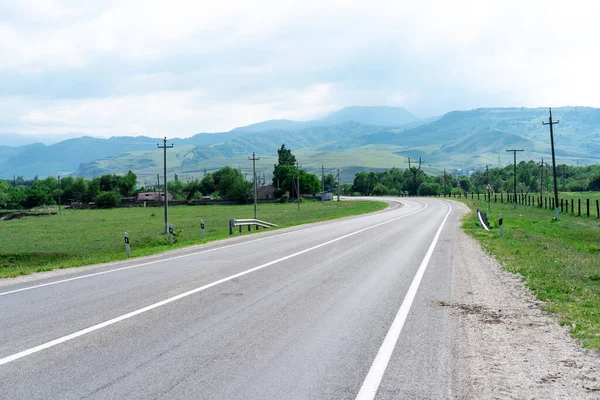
pixel 165 147
pixel 297 181
pixel 515 169
pixel 444 182
pixel 323 185
pixel 414 171
pixel 553 164
pixel 338 184
pixel 542 182
pixel 488 188
pixel 254 159
pixel 59 194
pixel 158 181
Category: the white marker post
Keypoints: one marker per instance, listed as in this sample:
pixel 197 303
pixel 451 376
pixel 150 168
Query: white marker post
pixel 171 234
pixel 500 225
pixel 202 228
pixel 127 249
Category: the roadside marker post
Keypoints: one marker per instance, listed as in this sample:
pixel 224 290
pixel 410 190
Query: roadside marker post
pixel 202 228
pixel 127 249
pixel 171 234
pixel 500 224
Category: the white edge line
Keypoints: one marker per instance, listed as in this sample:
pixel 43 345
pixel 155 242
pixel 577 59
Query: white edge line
pixel 104 324
pixel 152 262
pixel 373 379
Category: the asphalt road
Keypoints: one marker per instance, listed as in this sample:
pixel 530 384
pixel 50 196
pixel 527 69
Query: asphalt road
pixel 314 312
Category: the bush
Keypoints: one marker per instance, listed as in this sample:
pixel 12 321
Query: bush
pixel 429 189
pixel 108 199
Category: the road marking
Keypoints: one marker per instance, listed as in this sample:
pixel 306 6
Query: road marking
pixel 371 383
pixel 104 324
pixel 152 262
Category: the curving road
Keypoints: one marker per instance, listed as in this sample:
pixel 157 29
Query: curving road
pixel 337 310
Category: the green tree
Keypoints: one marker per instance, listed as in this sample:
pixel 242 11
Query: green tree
pixel 127 184
pixel 330 182
pixel 109 199
pixel 284 172
pixel 207 186
pixel 595 183
pixel 231 185
pixel 309 183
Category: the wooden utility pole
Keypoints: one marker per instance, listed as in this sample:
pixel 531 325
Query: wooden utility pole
pixel 165 147
pixel 542 182
pixel 444 182
pixel 59 194
pixel 254 159
pixel 515 173
pixel 323 185
pixel 338 184
pixel 298 181
pixel 551 123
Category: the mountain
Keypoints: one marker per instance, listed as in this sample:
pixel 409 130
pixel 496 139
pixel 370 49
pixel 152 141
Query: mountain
pixel 381 116
pixel 39 159
pixel 459 139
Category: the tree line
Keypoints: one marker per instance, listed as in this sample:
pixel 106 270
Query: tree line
pixel 531 177
pixel 228 183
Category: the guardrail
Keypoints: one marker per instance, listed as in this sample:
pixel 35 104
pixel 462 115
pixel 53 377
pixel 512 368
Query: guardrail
pixel 248 222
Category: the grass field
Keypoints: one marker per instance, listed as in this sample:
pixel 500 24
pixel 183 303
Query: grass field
pixel 80 237
pixel 559 260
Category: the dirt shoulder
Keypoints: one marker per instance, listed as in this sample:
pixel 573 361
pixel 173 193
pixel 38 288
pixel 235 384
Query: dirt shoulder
pixel 504 345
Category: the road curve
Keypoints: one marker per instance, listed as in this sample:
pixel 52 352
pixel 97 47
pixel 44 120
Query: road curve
pixel 300 313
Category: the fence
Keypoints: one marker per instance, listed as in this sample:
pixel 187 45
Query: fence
pixel 572 206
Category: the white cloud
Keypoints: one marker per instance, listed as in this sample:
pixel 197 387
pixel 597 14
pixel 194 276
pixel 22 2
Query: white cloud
pixel 190 66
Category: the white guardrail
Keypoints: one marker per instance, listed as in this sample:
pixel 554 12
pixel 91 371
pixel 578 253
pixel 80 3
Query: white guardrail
pixel 248 222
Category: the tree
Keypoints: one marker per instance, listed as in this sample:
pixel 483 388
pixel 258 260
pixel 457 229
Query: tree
pixel 330 182
pixel 285 156
pixel 429 189
pixel 361 183
pixel 284 172
pixel 595 183
pixel 207 186
pixel 127 184
pixel 78 189
pixel 309 183
pixel 109 199
pixel 231 185
pixel 380 189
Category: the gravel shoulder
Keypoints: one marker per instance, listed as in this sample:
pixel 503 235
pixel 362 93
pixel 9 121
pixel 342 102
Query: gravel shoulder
pixel 504 346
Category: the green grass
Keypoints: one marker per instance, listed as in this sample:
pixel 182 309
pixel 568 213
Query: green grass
pixel 559 260
pixel 81 237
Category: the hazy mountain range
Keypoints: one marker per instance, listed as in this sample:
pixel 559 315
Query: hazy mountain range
pixel 353 139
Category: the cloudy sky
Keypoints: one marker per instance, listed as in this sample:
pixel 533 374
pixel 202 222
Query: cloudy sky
pixel 176 68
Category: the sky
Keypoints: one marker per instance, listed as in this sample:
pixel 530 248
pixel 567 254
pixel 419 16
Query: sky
pixel 177 68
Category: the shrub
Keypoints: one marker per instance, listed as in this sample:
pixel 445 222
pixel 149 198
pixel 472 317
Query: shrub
pixel 108 199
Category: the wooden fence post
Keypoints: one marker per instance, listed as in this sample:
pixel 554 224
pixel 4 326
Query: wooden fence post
pixel 572 207
pixel 579 207
pixel 587 201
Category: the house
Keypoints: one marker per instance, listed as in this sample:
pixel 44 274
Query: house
pixel 265 192
pixel 154 196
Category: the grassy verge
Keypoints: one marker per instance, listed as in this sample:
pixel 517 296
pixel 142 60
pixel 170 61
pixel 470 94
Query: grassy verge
pixel 560 260
pixel 81 237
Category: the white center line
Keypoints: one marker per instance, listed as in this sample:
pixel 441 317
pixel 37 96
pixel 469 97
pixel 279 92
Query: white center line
pixel 104 324
pixel 373 380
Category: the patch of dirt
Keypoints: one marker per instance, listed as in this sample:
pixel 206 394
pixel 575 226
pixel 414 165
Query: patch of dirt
pixel 504 345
